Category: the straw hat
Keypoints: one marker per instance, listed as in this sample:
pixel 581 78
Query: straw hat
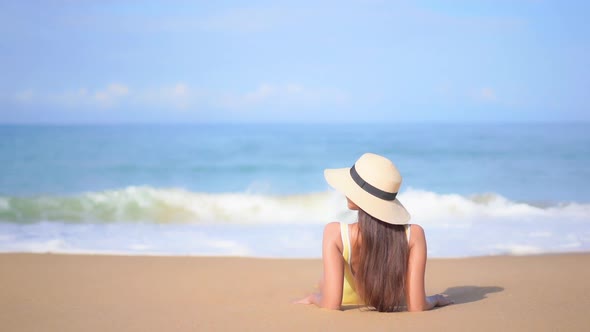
pixel 372 183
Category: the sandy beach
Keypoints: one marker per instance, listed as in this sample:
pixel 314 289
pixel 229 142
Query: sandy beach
pixel 48 292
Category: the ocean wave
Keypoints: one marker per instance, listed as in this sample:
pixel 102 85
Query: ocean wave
pixel 147 204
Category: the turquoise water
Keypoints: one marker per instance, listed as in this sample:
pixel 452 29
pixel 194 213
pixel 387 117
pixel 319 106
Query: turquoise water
pixel 258 190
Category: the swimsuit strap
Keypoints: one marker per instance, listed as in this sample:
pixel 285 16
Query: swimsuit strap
pixel 346 250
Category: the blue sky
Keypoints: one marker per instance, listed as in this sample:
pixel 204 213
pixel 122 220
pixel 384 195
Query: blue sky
pixel 301 61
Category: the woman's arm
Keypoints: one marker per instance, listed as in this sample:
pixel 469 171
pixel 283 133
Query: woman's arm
pixel 330 295
pixel 415 294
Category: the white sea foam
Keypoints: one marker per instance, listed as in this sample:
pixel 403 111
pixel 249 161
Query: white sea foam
pixel 3 204
pixel 149 221
pixel 43 246
pixel 146 204
pixel 539 234
pixel 516 249
pixel 571 245
pixel 429 206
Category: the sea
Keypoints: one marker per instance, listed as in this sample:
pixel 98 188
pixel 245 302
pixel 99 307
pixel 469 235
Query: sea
pixel 258 190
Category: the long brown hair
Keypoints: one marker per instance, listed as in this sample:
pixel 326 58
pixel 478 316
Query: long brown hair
pixel 383 263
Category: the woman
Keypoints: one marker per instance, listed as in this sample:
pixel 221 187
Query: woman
pixel 381 259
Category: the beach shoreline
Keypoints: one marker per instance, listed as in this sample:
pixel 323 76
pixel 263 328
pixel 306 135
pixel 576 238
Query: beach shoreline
pixel 54 292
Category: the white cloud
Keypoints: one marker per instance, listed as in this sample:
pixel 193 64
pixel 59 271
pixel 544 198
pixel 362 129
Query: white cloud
pixel 177 96
pixel 280 95
pixel 485 94
pixel 180 90
pixel 181 96
pixel 25 96
pixel 264 92
pixel 68 98
pixel 294 88
pixel 110 95
pixel 107 97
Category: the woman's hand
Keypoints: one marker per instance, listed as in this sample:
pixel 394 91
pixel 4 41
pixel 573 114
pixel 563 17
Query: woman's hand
pixel 438 300
pixel 313 298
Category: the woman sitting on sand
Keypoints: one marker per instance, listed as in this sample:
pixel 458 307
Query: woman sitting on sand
pixel 381 259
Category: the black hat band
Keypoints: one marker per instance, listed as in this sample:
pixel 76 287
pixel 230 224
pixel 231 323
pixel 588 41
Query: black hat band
pixel 369 188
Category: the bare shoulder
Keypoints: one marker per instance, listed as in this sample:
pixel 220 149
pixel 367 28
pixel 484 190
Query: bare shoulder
pixel 417 236
pixel 332 234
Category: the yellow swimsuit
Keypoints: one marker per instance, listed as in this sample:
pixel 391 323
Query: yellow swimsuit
pixel 349 295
